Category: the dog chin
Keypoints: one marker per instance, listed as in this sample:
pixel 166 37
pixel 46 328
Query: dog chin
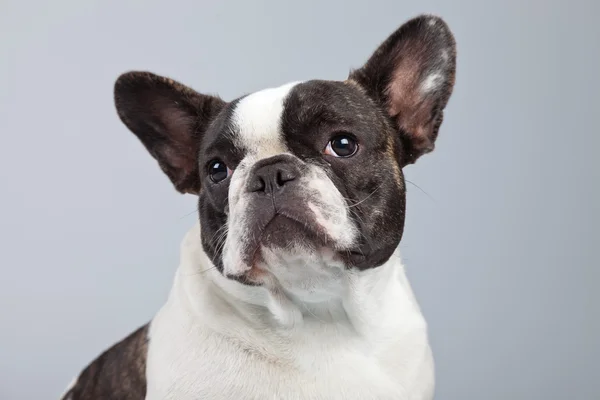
pixel 306 272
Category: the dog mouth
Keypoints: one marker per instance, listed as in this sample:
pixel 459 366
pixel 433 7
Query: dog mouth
pixel 290 231
pixel 278 231
pixel 285 231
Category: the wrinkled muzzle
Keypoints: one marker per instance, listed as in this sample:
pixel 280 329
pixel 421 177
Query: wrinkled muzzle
pixel 282 205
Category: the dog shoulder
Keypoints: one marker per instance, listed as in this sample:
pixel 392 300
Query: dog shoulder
pixel 118 374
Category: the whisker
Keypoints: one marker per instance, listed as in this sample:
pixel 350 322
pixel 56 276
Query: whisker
pixel 195 273
pixel 219 232
pixel 187 215
pixel 221 244
pixel 369 195
pixel 362 223
pixel 311 313
pixel 220 247
pixel 417 186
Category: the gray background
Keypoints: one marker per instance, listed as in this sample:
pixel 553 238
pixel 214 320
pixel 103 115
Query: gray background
pixel 501 248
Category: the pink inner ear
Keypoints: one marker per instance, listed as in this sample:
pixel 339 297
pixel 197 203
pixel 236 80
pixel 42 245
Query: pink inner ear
pixel 169 119
pixel 178 123
pixel 410 105
pixel 182 151
pixel 413 73
pixel 179 154
pixel 402 91
pixel 178 158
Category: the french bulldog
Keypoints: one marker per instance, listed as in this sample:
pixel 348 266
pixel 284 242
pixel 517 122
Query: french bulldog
pixel 291 285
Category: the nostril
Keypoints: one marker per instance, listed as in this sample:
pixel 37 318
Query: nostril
pixel 265 179
pixel 284 176
pixel 262 184
pixel 258 184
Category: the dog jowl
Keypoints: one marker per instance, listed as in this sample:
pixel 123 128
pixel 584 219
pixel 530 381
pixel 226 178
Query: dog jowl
pixel 299 185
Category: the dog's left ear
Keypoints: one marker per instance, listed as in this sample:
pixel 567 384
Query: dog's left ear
pixel 169 119
pixel 411 76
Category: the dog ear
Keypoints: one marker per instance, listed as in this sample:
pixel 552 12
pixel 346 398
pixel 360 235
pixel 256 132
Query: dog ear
pixel 169 119
pixel 411 75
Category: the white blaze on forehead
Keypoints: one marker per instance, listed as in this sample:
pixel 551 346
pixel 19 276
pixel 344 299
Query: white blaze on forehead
pixel 257 118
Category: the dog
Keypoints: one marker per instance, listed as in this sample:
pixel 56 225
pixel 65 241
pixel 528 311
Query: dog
pixel 290 285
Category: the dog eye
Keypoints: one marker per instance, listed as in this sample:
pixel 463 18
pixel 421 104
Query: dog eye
pixel 341 146
pixel 218 171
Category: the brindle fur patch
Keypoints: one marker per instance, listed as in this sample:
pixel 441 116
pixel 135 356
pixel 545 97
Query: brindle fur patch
pixel 117 374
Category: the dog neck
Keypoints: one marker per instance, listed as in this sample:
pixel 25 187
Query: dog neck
pixel 372 302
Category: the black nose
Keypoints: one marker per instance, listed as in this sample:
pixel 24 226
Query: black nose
pixel 272 175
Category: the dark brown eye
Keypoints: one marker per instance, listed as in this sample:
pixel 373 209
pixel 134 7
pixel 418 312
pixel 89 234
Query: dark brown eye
pixel 341 146
pixel 218 171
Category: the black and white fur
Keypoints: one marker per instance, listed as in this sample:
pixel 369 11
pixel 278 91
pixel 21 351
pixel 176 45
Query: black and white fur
pixel 291 285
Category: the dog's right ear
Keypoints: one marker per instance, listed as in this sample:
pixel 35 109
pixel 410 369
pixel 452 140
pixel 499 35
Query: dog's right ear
pixel 411 76
pixel 169 119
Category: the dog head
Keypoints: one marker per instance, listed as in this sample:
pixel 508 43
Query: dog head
pixel 302 182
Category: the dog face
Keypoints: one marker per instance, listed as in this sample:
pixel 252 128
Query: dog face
pixel 301 182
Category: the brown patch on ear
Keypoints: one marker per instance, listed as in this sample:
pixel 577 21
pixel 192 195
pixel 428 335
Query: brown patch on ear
pixel 169 119
pixel 411 76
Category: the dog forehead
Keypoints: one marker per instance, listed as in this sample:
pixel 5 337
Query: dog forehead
pixel 257 121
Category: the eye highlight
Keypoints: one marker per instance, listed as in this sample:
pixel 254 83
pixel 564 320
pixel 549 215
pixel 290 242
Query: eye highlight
pixel 218 171
pixel 341 146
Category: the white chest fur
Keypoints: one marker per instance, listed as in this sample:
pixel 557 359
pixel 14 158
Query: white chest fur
pixel 216 340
